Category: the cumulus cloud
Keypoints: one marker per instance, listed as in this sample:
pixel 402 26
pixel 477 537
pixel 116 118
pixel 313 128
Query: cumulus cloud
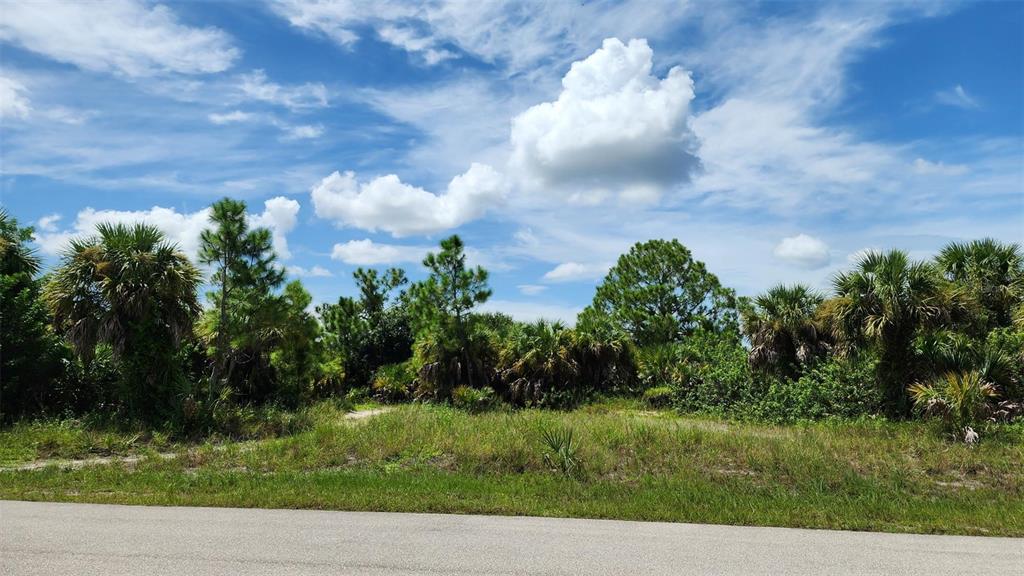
pixel 804 251
pixel 14 102
pixel 386 203
pixel 366 252
pixel 279 215
pixel 957 97
pixel 614 124
pixel 48 223
pixel 314 272
pixel 122 36
pixel 256 86
pixel 574 271
pixel 183 229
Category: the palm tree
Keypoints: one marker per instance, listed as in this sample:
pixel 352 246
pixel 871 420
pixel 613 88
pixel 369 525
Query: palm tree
pixel 131 289
pixel 783 329
pixel 15 255
pixel 885 302
pixel 991 272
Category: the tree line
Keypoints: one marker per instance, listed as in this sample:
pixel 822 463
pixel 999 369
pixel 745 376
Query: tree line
pixel 118 328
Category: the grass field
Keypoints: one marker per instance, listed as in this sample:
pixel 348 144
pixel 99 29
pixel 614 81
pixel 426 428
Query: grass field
pixel 623 463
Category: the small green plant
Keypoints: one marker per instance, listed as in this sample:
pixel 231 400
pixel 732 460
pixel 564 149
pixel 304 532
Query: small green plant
pixel 392 383
pixel 474 400
pixel 961 399
pixel 357 395
pixel 658 397
pixel 562 451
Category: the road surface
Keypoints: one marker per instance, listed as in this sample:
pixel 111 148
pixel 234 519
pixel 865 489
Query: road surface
pixel 81 539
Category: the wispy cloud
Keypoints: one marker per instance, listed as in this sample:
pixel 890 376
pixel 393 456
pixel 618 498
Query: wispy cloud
pixel 957 97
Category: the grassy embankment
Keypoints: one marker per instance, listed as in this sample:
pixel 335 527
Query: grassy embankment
pixel 632 464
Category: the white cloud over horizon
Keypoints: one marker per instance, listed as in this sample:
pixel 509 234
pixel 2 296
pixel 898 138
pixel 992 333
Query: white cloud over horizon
pixel 279 216
pixel 804 251
pixel 386 203
pixel 366 252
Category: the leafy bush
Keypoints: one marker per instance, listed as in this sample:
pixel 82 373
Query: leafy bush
pixel 714 375
pixel 393 382
pixel 962 400
pixel 658 397
pixel 443 363
pixel 1008 344
pixel 546 364
pixel 835 388
pixel 358 395
pixel 658 365
pixel 474 400
pixel 242 422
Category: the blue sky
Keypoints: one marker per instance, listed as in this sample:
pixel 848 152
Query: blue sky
pixel 776 140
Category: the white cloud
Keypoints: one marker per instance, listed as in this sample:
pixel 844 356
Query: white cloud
pixel 302 132
pixel 804 251
pixel 957 97
pixel 122 36
pixel 521 36
pixel 256 86
pixel 408 40
pixel 614 124
pixel 531 289
pixel 230 117
pixel 14 102
pixel 386 203
pixel 183 229
pixel 48 223
pixel 280 215
pixel 533 311
pixel 574 271
pixel 314 272
pixel 926 168
pixel 766 153
pixel 366 252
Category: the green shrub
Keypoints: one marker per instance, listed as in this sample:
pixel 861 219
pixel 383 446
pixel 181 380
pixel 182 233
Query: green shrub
pixel 561 451
pixel 658 397
pixel 714 375
pixel 358 395
pixel 243 422
pixel 835 388
pixel 393 382
pixel 962 400
pixel 474 400
pixel 658 365
pixel 545 364
pixel 1008 344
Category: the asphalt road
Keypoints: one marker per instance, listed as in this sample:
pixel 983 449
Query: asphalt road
pixel 80 539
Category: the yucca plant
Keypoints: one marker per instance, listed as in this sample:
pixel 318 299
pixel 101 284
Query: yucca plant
pixel 962 400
